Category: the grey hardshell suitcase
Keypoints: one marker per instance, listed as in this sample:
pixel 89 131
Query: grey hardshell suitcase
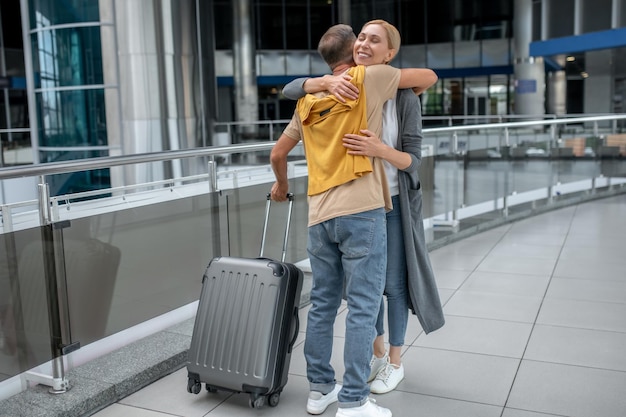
pixel 246 325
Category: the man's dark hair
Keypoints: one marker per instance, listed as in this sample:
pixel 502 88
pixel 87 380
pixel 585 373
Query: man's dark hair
pixel 336 45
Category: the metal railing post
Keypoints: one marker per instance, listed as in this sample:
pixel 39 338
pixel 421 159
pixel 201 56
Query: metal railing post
pixel 56 292
pixel 215 209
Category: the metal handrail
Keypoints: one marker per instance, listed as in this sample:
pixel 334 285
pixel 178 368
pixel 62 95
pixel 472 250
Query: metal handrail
pixel 111 161
pixel 526 123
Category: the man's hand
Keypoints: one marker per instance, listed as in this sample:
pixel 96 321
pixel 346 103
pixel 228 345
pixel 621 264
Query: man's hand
pixel 279 191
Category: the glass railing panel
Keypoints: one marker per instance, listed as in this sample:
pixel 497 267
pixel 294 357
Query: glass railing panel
pixel 246 208
pixel 131 265
pixel 24 318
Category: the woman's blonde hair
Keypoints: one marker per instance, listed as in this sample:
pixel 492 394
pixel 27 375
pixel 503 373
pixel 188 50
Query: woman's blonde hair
pixel 393 36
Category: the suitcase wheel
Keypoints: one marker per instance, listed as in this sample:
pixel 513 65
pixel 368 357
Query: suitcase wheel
pixel 274 399
pixel 210 388
pixel 255 401
pixel 193 386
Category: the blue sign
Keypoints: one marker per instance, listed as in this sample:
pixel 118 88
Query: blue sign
pixel 525 86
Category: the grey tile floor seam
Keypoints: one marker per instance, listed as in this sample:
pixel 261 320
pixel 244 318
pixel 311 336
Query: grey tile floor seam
pixel 540 338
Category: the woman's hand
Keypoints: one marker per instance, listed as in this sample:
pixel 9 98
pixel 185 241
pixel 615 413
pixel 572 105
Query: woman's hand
pixel 367 144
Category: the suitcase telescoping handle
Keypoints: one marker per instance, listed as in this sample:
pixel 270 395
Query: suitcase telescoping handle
pixel 267 216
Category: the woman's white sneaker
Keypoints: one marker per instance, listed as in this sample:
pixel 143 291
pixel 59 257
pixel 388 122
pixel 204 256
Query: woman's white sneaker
pixel 387 379
pixel 376 364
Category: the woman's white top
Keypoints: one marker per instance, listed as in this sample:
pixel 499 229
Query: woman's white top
pixel 390 137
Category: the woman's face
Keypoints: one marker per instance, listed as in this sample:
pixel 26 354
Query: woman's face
pixel 372 46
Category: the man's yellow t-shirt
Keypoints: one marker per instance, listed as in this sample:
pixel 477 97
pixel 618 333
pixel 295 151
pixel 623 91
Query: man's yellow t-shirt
pixel 369 191
pixel 324 122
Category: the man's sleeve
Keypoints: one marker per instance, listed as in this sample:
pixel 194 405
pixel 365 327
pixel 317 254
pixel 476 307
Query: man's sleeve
pixel 293 128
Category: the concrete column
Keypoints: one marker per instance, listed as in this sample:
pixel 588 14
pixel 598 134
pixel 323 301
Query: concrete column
pixel 599 85
pixel 156 55
pixel 616 13
pixel 529 71
pixel 244 63
pixel 345 16
pixel 557 89
pixel 545 20
pixel 578 16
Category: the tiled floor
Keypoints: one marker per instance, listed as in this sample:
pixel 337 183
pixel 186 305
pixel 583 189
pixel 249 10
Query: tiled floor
pixel 536 327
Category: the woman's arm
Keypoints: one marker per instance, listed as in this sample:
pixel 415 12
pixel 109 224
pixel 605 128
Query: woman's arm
pixel 368 144
pixel 409 111
pixel 338 85
pixel 294 90
pixel 419 79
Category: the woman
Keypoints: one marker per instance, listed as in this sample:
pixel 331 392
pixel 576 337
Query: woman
pixel 410 282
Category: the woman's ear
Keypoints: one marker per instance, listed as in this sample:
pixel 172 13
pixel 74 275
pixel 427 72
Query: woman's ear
pixel 390 55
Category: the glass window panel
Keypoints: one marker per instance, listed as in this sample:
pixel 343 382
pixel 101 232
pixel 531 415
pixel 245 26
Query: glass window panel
pixel 57 12
pixel 433 100
pixel 439 21
pixel 561 18
pixel 596 15
pixel 466 54
pixel 386 10
pixel 323 16
pixel 495 52
pixel 11 25
pixel 411 22
pixel 361 11
pixel 297 25
pixel 76 182
pixel 271 30
pixel 16 149
pixel 72 118
pixel 223 21
pixel 67 57
pixel 411 56
pixel 466 16
pixel 440 55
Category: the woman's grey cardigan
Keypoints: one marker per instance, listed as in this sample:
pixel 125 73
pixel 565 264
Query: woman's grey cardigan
pixel 423 295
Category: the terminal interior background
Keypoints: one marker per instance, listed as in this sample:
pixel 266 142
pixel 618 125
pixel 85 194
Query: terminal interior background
pixel 122 79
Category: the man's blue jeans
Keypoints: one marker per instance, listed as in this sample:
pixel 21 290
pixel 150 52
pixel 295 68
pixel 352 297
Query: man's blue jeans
pixel 350 249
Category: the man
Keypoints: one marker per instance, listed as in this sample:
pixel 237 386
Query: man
pixel 348 197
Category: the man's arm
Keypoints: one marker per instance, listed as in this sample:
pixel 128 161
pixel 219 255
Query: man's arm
pixel 278 160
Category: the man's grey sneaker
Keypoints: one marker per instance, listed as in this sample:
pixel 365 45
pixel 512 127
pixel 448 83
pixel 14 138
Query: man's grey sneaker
pixel 318 402
pixel 369 409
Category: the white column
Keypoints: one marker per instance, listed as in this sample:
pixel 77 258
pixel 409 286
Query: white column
pixel 616 13
pixel 578 16
pixel 545 20
pixel 529 71
pixel 556 85
pixel 345 16
pixel 244 63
